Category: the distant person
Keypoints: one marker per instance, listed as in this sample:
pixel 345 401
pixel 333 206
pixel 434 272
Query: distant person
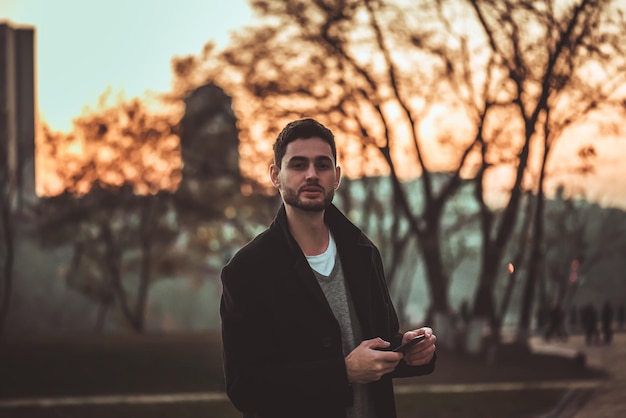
pixel 307 318
pixel 573 319
pixel 607 322
pixel 542 318
pixel 620 316
pixel 589 319
pixel 556 322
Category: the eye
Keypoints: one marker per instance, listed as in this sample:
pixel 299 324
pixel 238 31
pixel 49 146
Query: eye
pixel 324 165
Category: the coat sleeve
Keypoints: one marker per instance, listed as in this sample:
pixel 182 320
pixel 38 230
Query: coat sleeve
pixel 403 369
pixel 261 373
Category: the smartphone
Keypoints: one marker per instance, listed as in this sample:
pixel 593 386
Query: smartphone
pixel 402 348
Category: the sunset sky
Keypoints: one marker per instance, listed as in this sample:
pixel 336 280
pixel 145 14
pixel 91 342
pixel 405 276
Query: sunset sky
pixel 88 47
pixel 85 47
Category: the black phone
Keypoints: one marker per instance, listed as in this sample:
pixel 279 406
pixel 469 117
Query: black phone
pixel 402 348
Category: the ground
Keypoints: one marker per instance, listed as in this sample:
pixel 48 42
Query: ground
pixel 180 375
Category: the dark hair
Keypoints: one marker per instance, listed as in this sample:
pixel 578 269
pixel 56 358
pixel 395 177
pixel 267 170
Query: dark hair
pixel 302 129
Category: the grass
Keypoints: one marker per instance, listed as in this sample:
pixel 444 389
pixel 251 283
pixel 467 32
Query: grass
pixel 491 405
pixel 111 365
pixel 153 364
pixel 478 405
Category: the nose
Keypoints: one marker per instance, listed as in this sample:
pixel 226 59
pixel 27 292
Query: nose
pixel 311 172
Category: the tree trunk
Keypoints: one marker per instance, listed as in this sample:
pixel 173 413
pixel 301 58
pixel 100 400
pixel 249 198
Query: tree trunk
pixel 518 259
pixel 484 303
pixel 103 308
pixel 536 257
pixel 146 238
pixel 113 260
pixel 431 254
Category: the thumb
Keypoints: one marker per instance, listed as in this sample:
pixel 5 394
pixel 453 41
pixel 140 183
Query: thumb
pixel 376 343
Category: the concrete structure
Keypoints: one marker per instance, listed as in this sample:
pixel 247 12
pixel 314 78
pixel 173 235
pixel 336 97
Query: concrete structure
pixel 17 112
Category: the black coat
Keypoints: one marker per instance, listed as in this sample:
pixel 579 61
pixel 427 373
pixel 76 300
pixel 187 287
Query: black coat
pixel 282 343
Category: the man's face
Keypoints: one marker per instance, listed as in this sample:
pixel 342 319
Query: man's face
pixel 307 177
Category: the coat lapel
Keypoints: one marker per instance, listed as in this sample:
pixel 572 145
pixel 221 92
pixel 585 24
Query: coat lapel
pixel 304 274
pixel 308 281
pixel 356 261
pixel 356 265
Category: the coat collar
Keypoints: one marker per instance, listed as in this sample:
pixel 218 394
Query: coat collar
pixel 342 229
pixel 355 252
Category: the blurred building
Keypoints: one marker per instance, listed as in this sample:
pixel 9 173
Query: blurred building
pixel 212 185
pixel 210 150
pixel 17 112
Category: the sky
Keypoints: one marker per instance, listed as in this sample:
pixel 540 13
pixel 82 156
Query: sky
pixel 86 47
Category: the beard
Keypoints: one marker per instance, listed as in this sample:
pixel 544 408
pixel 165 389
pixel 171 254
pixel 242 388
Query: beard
pixel 291 197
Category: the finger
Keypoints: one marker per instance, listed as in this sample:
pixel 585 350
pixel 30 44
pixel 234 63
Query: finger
pixel 426 345
pixel 409 335
pixel 417 360
pixel 391 357
pixel 421 357
pixel 376 343
pixel 388 367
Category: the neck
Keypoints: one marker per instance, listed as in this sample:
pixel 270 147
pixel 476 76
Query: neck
pixel 308 229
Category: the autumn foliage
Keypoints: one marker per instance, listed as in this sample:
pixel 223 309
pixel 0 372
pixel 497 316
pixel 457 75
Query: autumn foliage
pixel 117 144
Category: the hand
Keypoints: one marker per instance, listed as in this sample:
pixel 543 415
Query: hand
pixel 365 364
pixel 422 352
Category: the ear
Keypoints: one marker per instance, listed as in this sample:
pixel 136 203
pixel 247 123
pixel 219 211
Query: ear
pixel 274 172
pixel 337 177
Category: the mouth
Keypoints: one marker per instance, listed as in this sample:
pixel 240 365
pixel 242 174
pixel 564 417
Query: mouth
pixel 312 190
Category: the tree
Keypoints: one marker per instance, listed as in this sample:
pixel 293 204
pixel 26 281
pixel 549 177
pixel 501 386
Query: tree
pixel 132 212
pixel 550 90
pixel 114 205
pixel 582 241
pixel 348 67
pixel 120 241
pixel 380 72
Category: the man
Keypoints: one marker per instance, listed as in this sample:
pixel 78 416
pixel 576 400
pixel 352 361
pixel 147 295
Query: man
pixel 589 318
pixel 306 313
pixel 607 322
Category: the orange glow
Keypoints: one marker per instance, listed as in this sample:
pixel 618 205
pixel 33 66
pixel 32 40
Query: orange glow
pixel 116 144
pixel 138 148
pixel 511 268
